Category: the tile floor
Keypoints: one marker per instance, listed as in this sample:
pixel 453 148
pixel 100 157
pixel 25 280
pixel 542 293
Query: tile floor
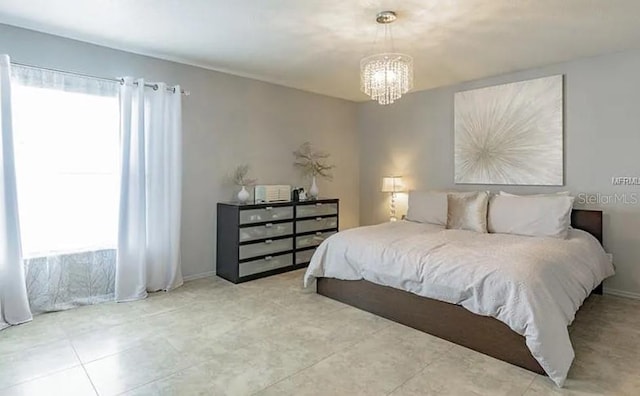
pixel 270 337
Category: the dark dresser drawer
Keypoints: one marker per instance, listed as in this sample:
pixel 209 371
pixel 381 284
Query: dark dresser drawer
pixel 267 263
pixel 316 209
pixel 269 230
pixel 304 256
pixel 317 224
pixel 268 213
pixel 270 246
pixel 316 239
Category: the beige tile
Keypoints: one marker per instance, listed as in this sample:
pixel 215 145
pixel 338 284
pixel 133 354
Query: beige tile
pixel 195 316
pixel 242 371
pixel 291 281
pixel 606 335
pixel 595 370
pixel 622 383
pixel 97 344
pixel 71 382
pixel 307 306
pixel 608 312
pixel 42 330
pixel 249 306
pixel 36 362
pixel 193 381
pixel 360 322
pixel 234 299
pixel 223 291
pixel 260 328
pixel 375 366
pixel 151 360
pixel 257 366
pixel 281 295
pixel 544 386
pixel 464 372
pixel 318 335
pixel 207 287
pixel 161 302
pixel 272 336
pixel 208 342
pixel 326 334
pixel 97 317
pixel 308 383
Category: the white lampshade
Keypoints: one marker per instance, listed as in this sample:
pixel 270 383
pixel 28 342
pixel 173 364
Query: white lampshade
pixel 392 184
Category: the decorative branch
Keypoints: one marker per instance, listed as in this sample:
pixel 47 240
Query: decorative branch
pixel 240 176
pixel 312 162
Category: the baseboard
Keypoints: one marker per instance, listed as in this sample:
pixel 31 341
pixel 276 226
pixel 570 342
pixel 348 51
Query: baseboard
pixel 622 293
pixel 198 276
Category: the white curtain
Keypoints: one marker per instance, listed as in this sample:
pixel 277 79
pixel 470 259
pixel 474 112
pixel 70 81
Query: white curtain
pixel 148 257
pixel 63 81
pixel 64 281
pixel 14 305
pixel 60 275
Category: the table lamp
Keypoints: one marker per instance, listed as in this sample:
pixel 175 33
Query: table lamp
pixel 393 185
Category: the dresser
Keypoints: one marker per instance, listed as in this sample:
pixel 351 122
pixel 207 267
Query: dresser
pixel 258 240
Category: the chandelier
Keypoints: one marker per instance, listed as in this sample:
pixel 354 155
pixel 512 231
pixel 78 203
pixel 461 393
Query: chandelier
pixel 385 77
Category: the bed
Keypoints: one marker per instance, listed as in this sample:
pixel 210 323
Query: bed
pixel 492 299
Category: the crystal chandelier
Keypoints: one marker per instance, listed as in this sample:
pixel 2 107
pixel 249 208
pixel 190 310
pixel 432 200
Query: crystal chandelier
pixel 387 76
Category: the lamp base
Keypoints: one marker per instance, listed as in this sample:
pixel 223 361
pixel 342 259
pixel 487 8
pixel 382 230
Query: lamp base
pixel 392 208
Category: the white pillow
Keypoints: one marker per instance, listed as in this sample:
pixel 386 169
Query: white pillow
pixel 427 207
pixel 467 211
pixel 543 216
pixel 559 193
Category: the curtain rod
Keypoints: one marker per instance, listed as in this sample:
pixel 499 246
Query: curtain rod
pixel 118 80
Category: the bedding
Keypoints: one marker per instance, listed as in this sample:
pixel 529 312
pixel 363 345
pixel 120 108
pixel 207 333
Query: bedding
pixel 467 211
pixel 428 207
pixel 559 193
pixel 534 285
pixel 542 216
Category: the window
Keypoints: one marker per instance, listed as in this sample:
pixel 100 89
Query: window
pixel 67 150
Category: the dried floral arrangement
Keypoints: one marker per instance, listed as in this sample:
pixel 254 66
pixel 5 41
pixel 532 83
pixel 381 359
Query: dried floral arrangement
pixel 312 162
pixel 240 176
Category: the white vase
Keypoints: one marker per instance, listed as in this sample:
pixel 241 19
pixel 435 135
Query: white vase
pixel 313 191
pixel 243 195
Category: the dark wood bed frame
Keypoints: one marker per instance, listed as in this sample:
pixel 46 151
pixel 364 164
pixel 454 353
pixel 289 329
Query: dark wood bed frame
pixel 448 321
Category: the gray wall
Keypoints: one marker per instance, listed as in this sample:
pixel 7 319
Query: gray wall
pixel 230 120
pixel 227 121
pixel 414 138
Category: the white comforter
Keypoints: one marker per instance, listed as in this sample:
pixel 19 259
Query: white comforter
pixel 534 285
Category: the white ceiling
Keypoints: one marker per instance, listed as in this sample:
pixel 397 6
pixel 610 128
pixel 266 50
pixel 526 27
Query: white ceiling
pixel 316 45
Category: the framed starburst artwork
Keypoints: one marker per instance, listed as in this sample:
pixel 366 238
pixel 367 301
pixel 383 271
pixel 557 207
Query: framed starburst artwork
pixel 510 134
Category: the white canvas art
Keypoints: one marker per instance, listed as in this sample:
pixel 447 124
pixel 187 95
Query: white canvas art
pixel 510 134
